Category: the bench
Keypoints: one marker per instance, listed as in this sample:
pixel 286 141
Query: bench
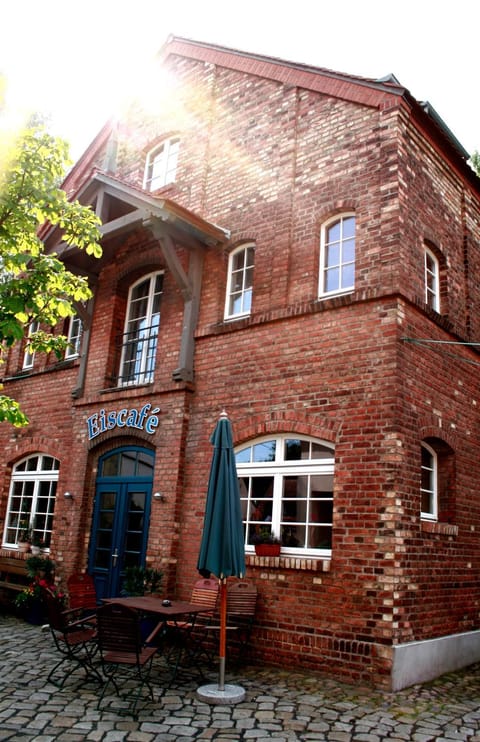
pixel 13 577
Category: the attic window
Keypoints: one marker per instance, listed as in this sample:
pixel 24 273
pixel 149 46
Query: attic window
pixel 161 165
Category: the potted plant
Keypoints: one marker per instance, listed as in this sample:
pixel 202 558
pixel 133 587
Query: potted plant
pixel 31 602
pixel 24 536
pixel 266 544
pixel 140 580
pixel 40 566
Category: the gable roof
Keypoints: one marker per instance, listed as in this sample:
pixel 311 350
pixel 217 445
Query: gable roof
pixel 377 93
pixel 382 93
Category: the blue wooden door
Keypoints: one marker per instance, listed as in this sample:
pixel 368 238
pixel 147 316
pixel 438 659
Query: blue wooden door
pixel 121 517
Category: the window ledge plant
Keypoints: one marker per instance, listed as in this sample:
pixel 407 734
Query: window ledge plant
pixel 265 543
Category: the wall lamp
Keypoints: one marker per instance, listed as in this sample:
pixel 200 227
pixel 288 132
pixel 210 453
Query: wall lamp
pixel 159 496
pixel 68 495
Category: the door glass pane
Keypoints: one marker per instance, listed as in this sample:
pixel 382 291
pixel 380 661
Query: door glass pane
pixel 110 466
pixel 134 534
pixel 103 545
pixel 144 465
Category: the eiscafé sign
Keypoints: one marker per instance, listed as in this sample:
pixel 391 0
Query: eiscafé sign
pixel 145 419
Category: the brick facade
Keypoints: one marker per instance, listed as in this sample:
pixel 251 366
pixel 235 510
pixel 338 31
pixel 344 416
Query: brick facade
pixel 269 152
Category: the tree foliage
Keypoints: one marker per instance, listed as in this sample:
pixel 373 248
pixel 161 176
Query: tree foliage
pixel 34 285
pixel 475 162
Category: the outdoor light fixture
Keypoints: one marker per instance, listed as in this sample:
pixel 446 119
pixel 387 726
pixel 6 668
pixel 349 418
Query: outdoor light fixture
pixel 68 495
pixel 159 496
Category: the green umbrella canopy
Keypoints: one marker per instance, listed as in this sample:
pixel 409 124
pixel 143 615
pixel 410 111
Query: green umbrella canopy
pixel 222 550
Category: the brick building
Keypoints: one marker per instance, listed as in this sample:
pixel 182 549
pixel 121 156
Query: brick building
pixel 301 248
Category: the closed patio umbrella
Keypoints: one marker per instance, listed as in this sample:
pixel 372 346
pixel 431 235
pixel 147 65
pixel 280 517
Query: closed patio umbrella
pixel 222 550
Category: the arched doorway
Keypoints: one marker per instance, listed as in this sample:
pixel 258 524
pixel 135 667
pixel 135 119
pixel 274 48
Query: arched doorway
pixel 121 516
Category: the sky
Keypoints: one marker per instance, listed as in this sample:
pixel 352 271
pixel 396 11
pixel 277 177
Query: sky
pixel 78 61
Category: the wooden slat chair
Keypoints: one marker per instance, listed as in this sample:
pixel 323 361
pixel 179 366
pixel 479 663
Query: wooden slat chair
pixel 126 661
pixel 75 639
pixel 241 606
pixel 185 637
pixel 82 595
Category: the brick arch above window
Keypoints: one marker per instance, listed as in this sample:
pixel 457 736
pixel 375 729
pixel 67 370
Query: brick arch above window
pixel 296 421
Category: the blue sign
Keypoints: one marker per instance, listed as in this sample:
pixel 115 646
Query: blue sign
pixel 144 419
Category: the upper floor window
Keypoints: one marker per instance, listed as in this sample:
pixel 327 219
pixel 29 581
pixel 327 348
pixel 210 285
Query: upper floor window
pixel 286 488
pixel 139 342
pixel 428 487
pixel 432 280
pixel 437 485
pixel 74 337
pixel 240 282
pixel 337 255
pixel 29 355
pixel 31 502
pixel 161 165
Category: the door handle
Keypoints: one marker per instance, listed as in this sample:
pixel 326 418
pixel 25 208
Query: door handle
pixel 114 558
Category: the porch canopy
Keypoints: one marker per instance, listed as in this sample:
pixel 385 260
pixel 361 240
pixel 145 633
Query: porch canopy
pixel 124 209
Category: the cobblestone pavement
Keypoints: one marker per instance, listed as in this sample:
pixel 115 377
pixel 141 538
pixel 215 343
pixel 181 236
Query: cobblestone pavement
pixel 279 705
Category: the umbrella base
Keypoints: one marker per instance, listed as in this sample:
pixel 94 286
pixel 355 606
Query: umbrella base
pixel 212 694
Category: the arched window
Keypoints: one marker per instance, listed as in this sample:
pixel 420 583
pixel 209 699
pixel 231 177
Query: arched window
pixel 337 255
pixel 161 165
pixel 428 487
pixel 286 488
pixel 240 282
pixel 432 280
pixel 139 344
pixel 437 486
pixel 31 503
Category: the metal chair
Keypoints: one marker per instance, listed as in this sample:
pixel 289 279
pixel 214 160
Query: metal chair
pixel 126 661
pixel 184 637
pixel 74 639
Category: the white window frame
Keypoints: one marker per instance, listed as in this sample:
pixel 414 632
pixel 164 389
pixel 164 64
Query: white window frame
pixel 278 472
pixel 32 496
pixel 344 262
pixel 432 280
pixel 429 472
pixel 142 324
pixel 239 295
pixel 161 164
pixel 29 355
pixel 74 337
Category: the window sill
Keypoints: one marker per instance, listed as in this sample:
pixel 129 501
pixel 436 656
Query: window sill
pixel 307 564
pixel 445 529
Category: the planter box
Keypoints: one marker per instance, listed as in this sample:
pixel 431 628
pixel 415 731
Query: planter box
pixel 267 549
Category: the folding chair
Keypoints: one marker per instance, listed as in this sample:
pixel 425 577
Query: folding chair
pixel 82 595
pixel 241 606
pixel 74 639
pixel 185 636
pixel 126 661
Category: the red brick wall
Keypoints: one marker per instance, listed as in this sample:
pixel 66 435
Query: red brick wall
pixel 271 162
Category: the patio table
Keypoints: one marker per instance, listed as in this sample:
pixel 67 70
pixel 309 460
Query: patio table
pixel 168 616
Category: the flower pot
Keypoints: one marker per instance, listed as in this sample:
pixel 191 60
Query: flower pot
pixel 35 550
pixel 267 549
pixel 35 613
pixel 23 546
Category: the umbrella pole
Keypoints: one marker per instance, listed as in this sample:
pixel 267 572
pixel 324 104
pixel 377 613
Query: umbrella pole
pixel 223 633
